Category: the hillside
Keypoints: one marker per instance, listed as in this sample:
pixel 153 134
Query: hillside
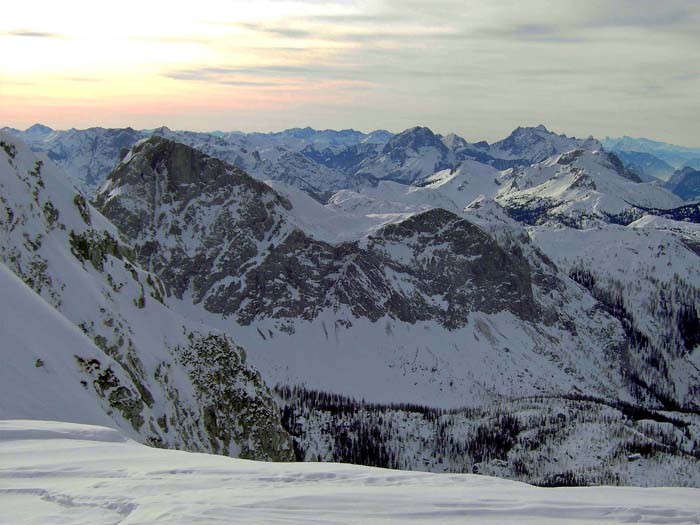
pixel 147 370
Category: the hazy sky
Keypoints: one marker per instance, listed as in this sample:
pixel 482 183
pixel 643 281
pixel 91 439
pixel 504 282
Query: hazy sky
pixel 476 67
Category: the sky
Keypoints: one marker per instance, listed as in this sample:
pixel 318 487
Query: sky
pixel 475 67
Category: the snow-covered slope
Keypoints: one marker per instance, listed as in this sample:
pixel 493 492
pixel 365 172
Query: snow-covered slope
pixel 580 188
pixel 39 376
pixel 59 473
pixel 147 368
pixel 649 273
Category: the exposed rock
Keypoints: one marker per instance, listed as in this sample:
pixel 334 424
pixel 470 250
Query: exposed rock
pixel 206 227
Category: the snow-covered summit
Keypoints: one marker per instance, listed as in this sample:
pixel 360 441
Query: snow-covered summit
pixel 579 186
pixel 537 144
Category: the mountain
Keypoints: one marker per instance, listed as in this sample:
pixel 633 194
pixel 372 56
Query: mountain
pixel 279 283
pixel 676 156
pixel 87 156
pixel 409 156
pixel 647 166
pixel 416 153
pixel 86 335
pixel 297 139
pixel 685 183
pixel 537 144
pixel 590 194
pixel 265 245
pixel 578 188
pixel 317 162
pixel 537 322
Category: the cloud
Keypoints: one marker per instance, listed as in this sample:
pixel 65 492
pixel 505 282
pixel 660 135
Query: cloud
pixel 645 13
pixel 237 76
pixel 543 33
pixel 173 39
pixel 281 31
pixel 33 34
pixel 357 18
pixel 359 34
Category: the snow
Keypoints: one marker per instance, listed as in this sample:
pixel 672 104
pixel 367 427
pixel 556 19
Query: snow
pixel 588 186
pixel 54 473
pixel 388 361
pixel 32 331
pixel 353 214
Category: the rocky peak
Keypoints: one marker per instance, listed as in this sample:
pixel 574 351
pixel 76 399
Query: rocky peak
pixel 454 141
pixel 200 204
pixel 535 144
pixel 414 139
pixel 38 129
pixel 170 171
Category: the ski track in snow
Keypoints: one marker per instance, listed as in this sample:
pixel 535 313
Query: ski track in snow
pixel 69 473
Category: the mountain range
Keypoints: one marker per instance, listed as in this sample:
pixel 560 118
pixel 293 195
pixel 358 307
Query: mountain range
pixel 527 308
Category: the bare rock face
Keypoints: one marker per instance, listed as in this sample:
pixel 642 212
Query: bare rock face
pixel 458 263
pixel 212 218
pixel 206 227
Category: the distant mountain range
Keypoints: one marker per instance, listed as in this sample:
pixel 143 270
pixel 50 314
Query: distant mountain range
pixel 685 183
pixel 317 162
pixel 677 157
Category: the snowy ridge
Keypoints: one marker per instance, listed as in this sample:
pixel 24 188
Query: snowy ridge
pixel 16 430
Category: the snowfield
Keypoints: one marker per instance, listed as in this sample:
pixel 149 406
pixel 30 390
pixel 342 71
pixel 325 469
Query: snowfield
pixel 69 473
